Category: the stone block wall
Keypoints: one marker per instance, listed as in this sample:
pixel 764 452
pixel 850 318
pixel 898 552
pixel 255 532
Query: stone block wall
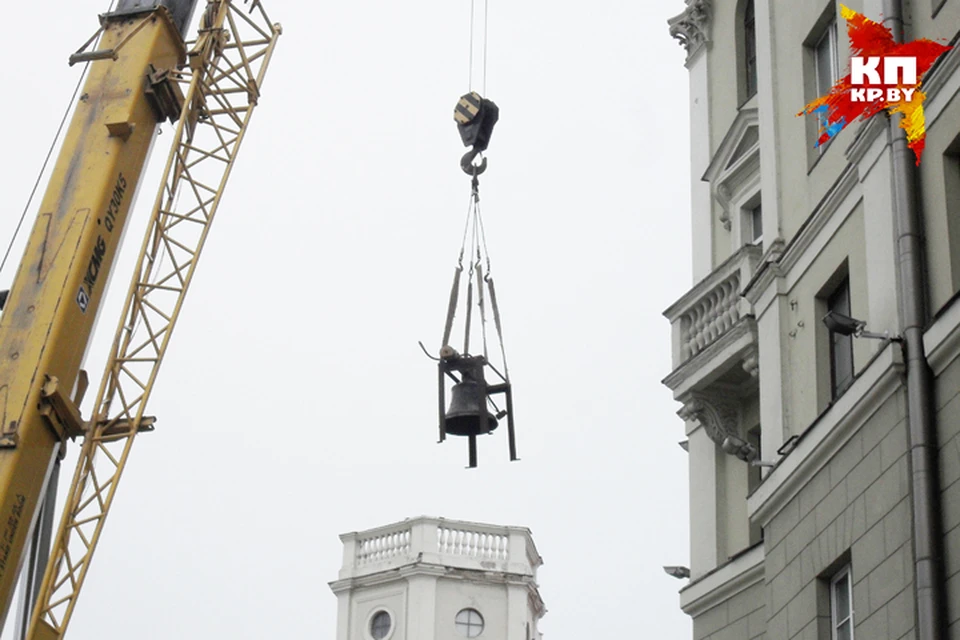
pixel 742 617
pixel 854 510
pixel 948 423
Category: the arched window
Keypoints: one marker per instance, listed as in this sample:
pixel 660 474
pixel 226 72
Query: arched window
pixel 749 64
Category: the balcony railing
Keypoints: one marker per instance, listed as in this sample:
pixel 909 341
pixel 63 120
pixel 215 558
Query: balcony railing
pixel 713 306
pixel 472 544
pixel 450 543
pixel 382 546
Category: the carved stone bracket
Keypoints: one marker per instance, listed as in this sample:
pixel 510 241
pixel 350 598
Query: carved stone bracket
pixel 719 416
pixel 691 27
pixel 751 364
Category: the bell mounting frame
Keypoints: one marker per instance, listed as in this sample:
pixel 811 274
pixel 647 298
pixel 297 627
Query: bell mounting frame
pixel 460 368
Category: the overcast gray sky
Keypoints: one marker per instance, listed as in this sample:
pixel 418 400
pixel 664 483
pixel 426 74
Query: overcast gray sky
pixel 295 404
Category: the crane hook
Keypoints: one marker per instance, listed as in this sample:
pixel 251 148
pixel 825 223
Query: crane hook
pixel 466 163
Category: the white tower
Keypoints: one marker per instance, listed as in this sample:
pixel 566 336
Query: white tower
pixel 437 579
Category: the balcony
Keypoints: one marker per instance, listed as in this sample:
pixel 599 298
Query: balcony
pixel 437 541
pixel 713 328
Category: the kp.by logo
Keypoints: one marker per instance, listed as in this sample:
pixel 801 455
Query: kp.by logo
pixel 884 75
pixel 899 78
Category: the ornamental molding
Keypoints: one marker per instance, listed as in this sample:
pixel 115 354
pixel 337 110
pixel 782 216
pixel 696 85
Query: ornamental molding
pixel 726 581
pixel 942 76
pixel 692 26
pixel 830 431
pixel 730 350
pixel 792 259
pixel 734 170
pixel 719 415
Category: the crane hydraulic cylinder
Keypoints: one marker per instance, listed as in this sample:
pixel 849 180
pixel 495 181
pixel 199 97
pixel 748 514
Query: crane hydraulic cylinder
pixel 61 281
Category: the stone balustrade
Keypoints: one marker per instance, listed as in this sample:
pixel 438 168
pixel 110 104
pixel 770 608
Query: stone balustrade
pixel 713 306
pixel 711 316
pixel 472 544
pixel 450 543
pixel 383 546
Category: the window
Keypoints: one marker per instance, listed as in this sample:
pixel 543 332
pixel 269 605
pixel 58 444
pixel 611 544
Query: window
pixel 749 49
pixel 841 605
pixel 469 623
pixel 825 56
pixel 821 71
pixel 841 347
pixel 380 625
pixel 756 225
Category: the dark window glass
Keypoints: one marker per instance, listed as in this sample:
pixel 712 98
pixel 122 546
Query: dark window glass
pixel 841 611
pixel 841 347
pixel 750 49
pixel 756 223
pixel 826 55
pixel 380 625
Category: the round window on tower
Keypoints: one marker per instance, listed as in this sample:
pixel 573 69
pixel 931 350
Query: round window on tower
pixel 380 625
pixel 469 623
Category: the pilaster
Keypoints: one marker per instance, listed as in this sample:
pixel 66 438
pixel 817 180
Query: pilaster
pixel 422 603
pixel 774 382
pixel 769 117
pixel 692 29
pixel 703 501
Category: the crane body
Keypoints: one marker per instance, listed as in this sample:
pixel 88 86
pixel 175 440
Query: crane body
pixel 59 286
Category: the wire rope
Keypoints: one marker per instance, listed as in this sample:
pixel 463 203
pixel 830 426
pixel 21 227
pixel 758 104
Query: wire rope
pixel 472 27
pixel 486 22
pixel 46 159
pixel 43 168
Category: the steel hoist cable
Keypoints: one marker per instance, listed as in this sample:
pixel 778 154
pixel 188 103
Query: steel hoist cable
pixel 483 50
pixel 46 159
pixel 475 379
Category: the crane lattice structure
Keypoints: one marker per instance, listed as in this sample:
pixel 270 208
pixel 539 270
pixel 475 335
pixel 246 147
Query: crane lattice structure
pixel 221 86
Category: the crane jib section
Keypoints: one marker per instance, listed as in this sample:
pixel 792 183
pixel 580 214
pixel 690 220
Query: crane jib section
pixel 217 91
pixel 59 285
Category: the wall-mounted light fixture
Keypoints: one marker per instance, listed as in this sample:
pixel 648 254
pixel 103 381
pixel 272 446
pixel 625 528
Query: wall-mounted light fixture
pixel 677 572
pixel 847 326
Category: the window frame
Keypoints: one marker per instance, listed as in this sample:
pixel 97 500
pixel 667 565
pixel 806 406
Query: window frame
pixel 830 35
pixel 826 27
pixel 838 387
pixel 835 621
pixel 371 620
pixel 469 625
pixel 756 214
pixel 748 61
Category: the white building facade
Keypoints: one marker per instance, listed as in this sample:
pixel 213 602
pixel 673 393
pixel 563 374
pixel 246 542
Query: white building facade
pixel 824 468
pixel 438 579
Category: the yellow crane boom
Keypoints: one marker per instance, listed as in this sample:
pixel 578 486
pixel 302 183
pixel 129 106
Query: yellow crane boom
pixel 58 288
pixel 143 72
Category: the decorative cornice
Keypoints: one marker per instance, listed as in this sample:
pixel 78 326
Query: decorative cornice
pixel 819 218
pixel 865 137
pixel 435 570
pixel 692 26
pixel 765 274
pixel 942 340
pixel 724 582
pixel 742 337
pixel 830 431
pixel 941 75
pixel 805 237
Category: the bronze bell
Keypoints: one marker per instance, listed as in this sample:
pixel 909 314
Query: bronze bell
pixel 468 405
